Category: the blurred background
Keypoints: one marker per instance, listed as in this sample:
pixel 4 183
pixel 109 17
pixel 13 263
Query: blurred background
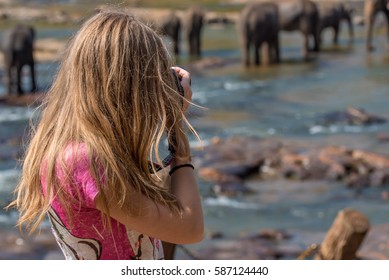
pixel 286 144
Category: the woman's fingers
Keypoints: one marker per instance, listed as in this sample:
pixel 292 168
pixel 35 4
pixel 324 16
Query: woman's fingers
pixel 185 80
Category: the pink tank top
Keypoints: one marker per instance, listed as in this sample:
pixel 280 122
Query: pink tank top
pixel 89 238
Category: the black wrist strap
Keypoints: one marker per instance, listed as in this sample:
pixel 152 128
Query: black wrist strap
pixel 175 168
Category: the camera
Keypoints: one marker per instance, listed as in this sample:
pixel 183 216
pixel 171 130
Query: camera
pixel 177 80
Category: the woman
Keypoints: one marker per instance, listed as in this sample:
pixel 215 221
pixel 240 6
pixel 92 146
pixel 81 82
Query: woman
pixel 88 163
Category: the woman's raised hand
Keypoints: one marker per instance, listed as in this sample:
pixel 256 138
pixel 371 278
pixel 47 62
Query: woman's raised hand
pixel 184 77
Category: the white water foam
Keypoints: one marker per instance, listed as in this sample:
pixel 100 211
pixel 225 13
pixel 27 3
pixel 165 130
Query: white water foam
pixel 319 129
pixel 233 86
pixel 9 114
pixel 228 202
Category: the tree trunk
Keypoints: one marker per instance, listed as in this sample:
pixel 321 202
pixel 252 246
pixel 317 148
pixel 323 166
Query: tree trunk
pixel 345 236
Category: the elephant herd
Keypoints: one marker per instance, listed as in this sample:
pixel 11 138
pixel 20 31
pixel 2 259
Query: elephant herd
pixel 259 23
pixel 17 45
pixel 191 22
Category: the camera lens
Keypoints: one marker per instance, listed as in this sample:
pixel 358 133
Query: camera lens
pixel 177 80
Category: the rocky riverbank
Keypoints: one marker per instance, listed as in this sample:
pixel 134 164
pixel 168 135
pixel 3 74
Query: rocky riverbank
pixel 266 244
pixel 275 244
pixel 228 162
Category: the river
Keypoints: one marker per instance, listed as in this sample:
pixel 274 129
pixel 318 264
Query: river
pixel 283 101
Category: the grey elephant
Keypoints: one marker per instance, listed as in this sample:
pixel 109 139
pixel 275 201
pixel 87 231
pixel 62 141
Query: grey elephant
pixel 371 8
pixel 259 24
pixel 171 27
pixel 17 47
pixel 331 16
pixel 194 21
pixel 301 15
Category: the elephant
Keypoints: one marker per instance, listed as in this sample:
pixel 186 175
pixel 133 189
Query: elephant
pixel 171 27
pixel 371 8
pixel 301 15
pixel 194 21
pixel 331 16
pixel 258 24
pixel 17 47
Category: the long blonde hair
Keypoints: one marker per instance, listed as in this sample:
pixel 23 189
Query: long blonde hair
pixel 115 94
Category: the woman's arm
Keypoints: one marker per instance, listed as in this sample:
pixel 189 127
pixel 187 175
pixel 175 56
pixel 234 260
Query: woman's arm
pixel 158 220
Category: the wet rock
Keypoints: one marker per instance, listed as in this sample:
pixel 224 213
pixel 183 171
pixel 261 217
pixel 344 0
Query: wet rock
pixel 234 249
pixel 295 166
pixel 272 234
pixel 252 247
pixel 214 175
pixel 351 116
pixel 371 159
pixel 336 158
pixel 231 189
pixel 376 245
pixel 289 246
pixel 216 235
pixel 290 251
pixel 233 159
pixel 383 136
pixel 229 162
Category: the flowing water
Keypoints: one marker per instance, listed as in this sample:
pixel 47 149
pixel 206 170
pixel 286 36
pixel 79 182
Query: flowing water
pixel 286 101
pixel 282 101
